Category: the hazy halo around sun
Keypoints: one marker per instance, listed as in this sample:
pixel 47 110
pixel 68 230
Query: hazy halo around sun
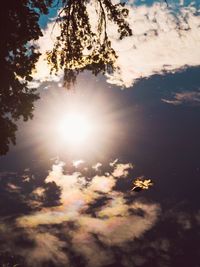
pixel 77 125
pixel 74 128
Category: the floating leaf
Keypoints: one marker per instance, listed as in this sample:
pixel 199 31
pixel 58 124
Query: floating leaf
pixel 141 184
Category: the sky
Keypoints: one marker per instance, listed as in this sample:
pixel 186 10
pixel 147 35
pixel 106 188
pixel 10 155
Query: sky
pixel 66 199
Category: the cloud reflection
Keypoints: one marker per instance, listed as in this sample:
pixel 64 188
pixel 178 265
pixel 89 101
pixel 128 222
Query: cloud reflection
pixel 93 215
pixel 186 97
pixel 163 40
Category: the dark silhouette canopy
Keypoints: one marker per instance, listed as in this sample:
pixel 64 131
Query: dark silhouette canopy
pixel 18 54
pixel 79 47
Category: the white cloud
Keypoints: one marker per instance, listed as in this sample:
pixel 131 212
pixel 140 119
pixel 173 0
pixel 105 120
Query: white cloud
pixel 102 184
pixel 77 163
pixel 45 43
pixel 47 247
pixel 97 166
pixel 121 170
pixel 113 221
pixel 161 42
pixel 85 244
pixel 113 163
pixel 121 226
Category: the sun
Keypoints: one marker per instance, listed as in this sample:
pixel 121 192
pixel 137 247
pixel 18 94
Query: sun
pixel 67 124
pixel 74 128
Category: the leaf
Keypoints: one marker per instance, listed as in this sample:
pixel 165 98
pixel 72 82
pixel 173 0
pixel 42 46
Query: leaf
pixel 142 184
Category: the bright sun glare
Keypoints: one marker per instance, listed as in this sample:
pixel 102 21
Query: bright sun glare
pixel 68 125
pixel 74 128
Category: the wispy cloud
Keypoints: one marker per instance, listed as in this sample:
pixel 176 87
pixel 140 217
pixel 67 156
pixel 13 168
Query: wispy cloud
pixel 76 163
pixel 100 214
pixel 97 166
pixel 96 223
pixel 121 170
pixel 162 41
pixel 47 247
pixel 186 97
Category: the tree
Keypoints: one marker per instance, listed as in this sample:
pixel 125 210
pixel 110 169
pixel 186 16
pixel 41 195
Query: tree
pixel 18 55
pixel 19 20
pixel 79 47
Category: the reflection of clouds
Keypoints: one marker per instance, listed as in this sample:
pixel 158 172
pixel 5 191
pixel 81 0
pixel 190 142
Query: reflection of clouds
pixel 161 42
pixel 47 247
pixel 97 225
pixel 101 215
pixel 197 217
pixel 116 225
pixel 38 192
pixel 122 170
pixel 45 43
pixel 172 243
pixel 85 244
pixel 77 163
pixel 184 220
pixel 102 184
pixel 186 97
pixel 13 187
pixel 97 166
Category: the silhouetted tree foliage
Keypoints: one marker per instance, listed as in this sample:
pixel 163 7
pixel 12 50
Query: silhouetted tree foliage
pixel 79 47
pixel 18 55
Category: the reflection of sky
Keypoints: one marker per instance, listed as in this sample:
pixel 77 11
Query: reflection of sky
pixel 161 140
pixel 157 135
pixel 174 4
